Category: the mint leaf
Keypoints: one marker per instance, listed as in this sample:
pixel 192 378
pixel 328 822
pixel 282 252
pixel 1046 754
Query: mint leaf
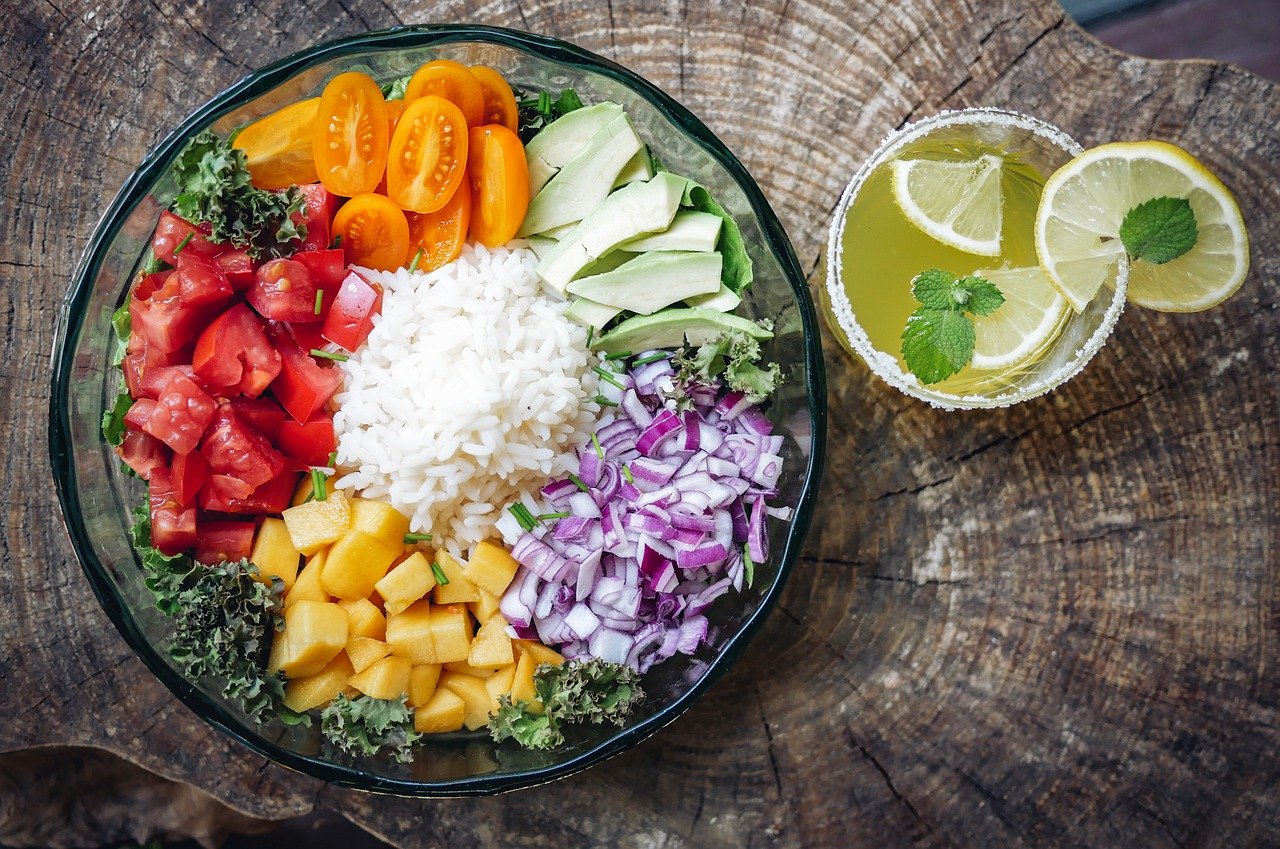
pixel 937 343
pixel 983 298
pixel 933 289
pixel 1159 230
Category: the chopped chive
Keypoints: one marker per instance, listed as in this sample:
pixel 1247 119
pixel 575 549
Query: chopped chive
pixel 311 496
pixel 617 355
pixel 333 459
pixel 595 440
pixel 609 377
pixel 577 481
pixel 336 243
pixel 413 266
pixel 626 473
pixel 318 487
pixel 411 538
pixel 523 516
pixel 441 578
pixel 605 402
pixel 186 240
pixel 342 358
pixel 591 332
pixel 319 300
pixel 652 358
pixel 748 567
pixel 545 516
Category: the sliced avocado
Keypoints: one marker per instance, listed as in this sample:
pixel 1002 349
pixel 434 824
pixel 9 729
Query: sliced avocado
pixel 671 328
pixel 540 245
pixel 629 212
pixel 689 231
pixel 590 314
pixel 638 170
pixel 563 139
pixel 558 233
pixel 585 181
pixel 608 262
pixel 725 300
pixel 652 281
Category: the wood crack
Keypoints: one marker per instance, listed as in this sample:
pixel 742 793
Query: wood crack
pixel 915 490
pixel 853 743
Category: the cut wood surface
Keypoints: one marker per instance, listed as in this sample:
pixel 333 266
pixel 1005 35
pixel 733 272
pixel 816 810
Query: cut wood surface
pixel 1054 625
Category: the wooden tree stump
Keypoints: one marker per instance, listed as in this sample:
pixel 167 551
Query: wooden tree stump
pixel 1055 625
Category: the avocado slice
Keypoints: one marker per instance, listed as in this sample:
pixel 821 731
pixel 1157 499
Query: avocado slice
pixel 671 328
pixel 725 300
pixel 652 281
pixel 590 314
pixel 638 170
pixel 689 231
pixel 563 139
pixel 540 245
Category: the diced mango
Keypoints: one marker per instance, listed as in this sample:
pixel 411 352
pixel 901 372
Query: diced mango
pixel 406 583
pixel 464 668
pixel 307 585
pixel 450 632
pixel 491 568
pixel 365 652
pixel 274 554
pixel 379 519
pixel 386 679
pixel 499 684
pixel 422 683
pixel 492 646
pixel 474 695
pixel 366 620
pixel 303 694
pixel 444 712
pixel 486 606
pixel 355 564
pixel 314 632
pixel 458 589
pixel 541 654
pixel 315 524
pixel 522 681
pixel 409 634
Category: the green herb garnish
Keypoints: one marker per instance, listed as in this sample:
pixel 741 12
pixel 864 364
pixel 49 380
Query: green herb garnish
pixel 441 578
pixel 605 402
pixel 336 243
pixel 186 240
pixel 417 258
pixel 592 691
pixel 369 726
pixel 626 473
pixel 652 358
pixel 939 338
pixel 735 356
pixel 523 516
pixel 412 538
pixel 1159 230
pixel 544 517
pixel 617 355
pixel 319 300
pixel 538 110
pixel 608 377
pixel 748 567
pixel 329 355
pixel 113 426
pixel 319 488
pixel 577 481
pixel 395 89
pixel 595 440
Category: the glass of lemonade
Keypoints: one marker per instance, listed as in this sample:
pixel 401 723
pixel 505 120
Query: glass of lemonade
pixel 879 243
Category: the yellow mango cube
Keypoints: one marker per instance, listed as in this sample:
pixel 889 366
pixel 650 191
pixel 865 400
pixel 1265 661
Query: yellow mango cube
pixel 386 679
pixel 409 634
pixel 366 620
pixel 491 568
pixel 522 679
pixel 274 554
pixel 379 519
pixel 450 632
pixel 365 652
pixel 445 711
pixel 314 632
pixel 486 606
pixel 492 647
pixel 422 683
pixel 355 564
pixel 302 493
pixel 306 587
pixel 464 668
pixel 315 524
pixel 458 590
pixel 499 684
pixel 303 694
pixel 541 654
pixel 407 582
pixel 474 695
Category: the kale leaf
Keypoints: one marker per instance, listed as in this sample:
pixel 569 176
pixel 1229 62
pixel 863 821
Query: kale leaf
pixel 591 691
pixel 733 356
pixel 368 726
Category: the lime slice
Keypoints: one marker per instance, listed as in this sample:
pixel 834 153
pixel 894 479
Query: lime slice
pixel 957 203
pixel 1031 316
pixel 1085 201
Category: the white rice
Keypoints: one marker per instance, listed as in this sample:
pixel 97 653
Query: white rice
pixel 472 389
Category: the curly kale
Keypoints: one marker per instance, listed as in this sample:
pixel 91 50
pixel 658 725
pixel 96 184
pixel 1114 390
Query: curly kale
pixel 735 356
pixel 368 726
pixel 591 691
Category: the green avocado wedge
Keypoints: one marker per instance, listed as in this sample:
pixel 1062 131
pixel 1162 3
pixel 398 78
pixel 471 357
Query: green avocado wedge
pixel 671 328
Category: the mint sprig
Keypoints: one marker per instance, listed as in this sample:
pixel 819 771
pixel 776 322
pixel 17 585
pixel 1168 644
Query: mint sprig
pixel 939 337
pixel 1159 230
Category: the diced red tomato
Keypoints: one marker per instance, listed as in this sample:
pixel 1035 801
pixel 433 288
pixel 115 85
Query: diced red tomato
pixel 155 380
pixel 158 315
pixel 312 443
pixel 183 411
pixel 283 292
pixel 219 540
pixel 141 359
pixel 190 471
pixel 226 487
pixel 303 385
pixel 233 353
pixel 261 414
pixel 201 282
pixel 327 267
pixel 143 453
pixel 272 497
pixel 308 336
pixel 139 413
pixel 318 215
pixel 173 528
pixel 172 230
pixel 238 267
pixel 235 449
pixel 350 318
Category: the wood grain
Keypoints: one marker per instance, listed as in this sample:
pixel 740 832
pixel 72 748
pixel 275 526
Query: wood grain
pixel 1056 625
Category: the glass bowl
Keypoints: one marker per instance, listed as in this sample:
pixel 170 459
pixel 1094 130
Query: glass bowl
pixel 97 497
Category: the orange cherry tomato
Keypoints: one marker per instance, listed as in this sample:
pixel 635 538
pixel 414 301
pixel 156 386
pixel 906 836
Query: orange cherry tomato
pixel 499 100
pixel 428 155
pixel 395 109
pixel 278 147
pixel 374 232
pixel 349 139
pixel 499 184
pixel 439 235
pixel 454 83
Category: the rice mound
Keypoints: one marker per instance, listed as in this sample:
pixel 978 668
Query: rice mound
pixel 472 389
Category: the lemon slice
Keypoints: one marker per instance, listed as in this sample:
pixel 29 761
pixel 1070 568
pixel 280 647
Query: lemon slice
pixel 957 203
pixel 1031 316
pixel 1085 201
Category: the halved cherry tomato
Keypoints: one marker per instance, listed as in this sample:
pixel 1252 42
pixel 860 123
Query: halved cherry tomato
pixel 272 497
pixel 238 268
pixel 283 292
pixel 350 319
pixel 190 471
pixel 374 232
pixel 350 137
pixel 440 235
pixel 327 267
pixel 262 414
pixel 428 156
pixel 236 450
pixel 159 316
pixel 233 354
pixel 173 529
pixel 311 443
pixel 452 81
pixel 143 453
pixel 139 413
pixel 171 231
pixel 278 147
pixel 395 111
pixel 316 216
pixel 499 177
pixel 201 282
pixel 183 411
pixel 222 540
pixel 499 100
pixel 303 386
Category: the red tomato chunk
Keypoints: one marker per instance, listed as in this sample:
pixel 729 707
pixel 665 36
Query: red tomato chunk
pixel 173 528
pixel 223 539
pixel 233 354
pixel 350 318
pixel 304 386
pixel 183 410
pixel 317 216
pixel 236 450
pixel 143 453
pixel 271 497
pixel 311 443
pixel 328 268
pixel 190 471
pixel 238 267
pixel 172 231
pixel 261 414
pixel 283 292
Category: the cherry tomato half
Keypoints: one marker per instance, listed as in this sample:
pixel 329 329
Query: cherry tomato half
pixel 317 216
pixel 278 147
pixel 374 232
pixel 499 99
pixel 428 156
pixel 349 139
pixel 499 184
pixel 452 81
pixel 440 235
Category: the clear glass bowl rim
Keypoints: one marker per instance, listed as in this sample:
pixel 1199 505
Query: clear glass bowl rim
pixel 72 317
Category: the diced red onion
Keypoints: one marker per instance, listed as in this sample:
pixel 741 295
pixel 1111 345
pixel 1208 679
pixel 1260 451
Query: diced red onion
pixel 581 621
